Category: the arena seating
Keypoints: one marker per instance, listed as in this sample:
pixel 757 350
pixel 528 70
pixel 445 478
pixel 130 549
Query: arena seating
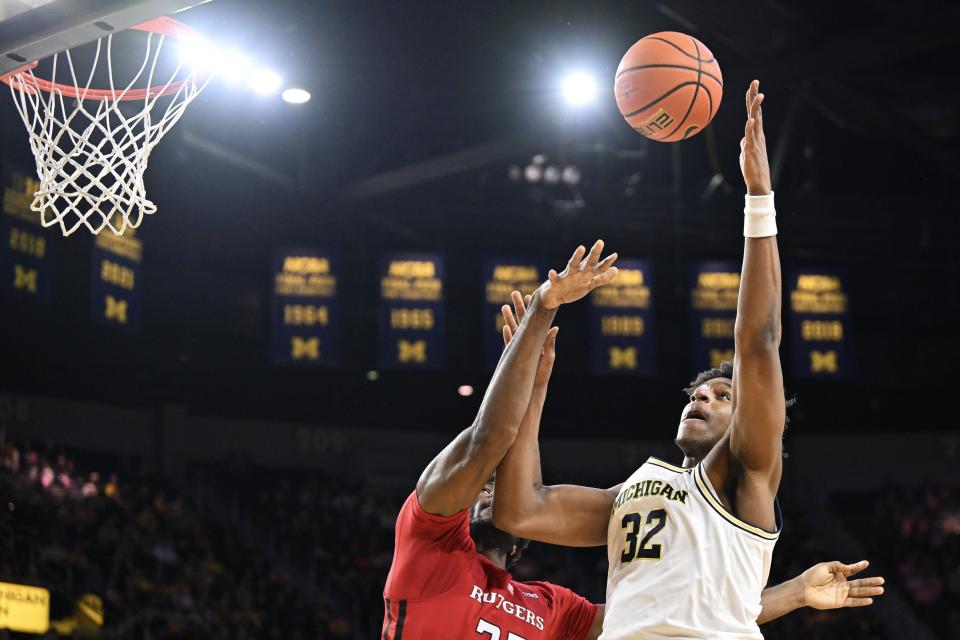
pixel 242 552
pixel 914 534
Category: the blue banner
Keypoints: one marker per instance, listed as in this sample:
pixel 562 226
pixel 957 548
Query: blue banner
pixel 412 332
pixel 501 277
pixel 714 288
pixel 621 322
pixel 26 250
pixel 115 280
pixel 304 325
pixel 819 323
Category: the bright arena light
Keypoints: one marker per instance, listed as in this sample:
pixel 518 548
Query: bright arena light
pixel 265 81
pixel 233 66
pixel 551 175
pixel 197 53
pixel 579 88
pixel 533 173
pixel 465 390
pixel 296 96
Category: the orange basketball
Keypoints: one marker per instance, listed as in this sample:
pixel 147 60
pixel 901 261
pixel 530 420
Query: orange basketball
pixel 668 86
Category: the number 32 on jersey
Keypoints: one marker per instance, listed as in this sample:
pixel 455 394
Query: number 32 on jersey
pixel 643 548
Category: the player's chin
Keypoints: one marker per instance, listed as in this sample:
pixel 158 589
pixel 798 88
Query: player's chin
pixel 482 510
pixel 695 438
pixel 693 431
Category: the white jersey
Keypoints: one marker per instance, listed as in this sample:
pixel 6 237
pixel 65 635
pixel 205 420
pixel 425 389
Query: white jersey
pixel 681 565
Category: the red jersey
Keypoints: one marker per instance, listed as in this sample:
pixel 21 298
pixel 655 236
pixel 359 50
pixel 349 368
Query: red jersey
pixel 441 588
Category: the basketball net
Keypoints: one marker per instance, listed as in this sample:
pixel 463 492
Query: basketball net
pixel 90 155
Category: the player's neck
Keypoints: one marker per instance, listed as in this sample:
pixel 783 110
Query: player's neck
pixel 496 557
pixel 689 462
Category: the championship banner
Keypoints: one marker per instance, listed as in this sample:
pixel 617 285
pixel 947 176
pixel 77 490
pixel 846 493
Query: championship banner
pixel 501 277
pixel 25 609
pixel 621 322
pixel 412 333
pixel 714 289
pixel 26 255
pixel 304 319
pixel 115 280
pixel 819 323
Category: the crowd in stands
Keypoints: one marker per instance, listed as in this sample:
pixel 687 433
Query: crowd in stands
pixel 239 552
pixel 915 534
pixel 163 563
pixel 801 545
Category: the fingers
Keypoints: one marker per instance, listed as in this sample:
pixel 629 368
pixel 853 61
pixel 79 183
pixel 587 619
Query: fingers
pixel 759 116
pixel 549 344
pixel 591 261
pixel 853 569
pixel 607 262
pixel 576 258
pixel 754 115
pixel 512 317
pixel 594 257
pixel 865 591
pixel 553 276
pixel 509 319
pixel 752 128
pixel 858 602
pixel 868 582
pixel 603 278
pixel 751 93
pixel 518 306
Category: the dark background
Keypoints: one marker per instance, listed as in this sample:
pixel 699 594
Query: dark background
pixel 862 117
pixel 183 438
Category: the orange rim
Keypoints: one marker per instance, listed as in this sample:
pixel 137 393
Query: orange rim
pixel 163 26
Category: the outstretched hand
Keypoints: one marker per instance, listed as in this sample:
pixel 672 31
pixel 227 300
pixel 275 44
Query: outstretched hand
pixel 581 276
pixel 825 586
pixel 511 322
pixel 753 146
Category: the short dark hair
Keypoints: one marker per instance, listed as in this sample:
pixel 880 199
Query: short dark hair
pixel 725 370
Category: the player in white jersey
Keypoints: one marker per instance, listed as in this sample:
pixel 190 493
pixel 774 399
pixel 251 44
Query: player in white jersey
pixel 822 586
pixel 689 546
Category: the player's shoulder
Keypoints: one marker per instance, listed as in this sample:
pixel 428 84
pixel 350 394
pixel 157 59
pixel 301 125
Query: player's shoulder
pixel 428 532
pixel 431 555
pixel 413 512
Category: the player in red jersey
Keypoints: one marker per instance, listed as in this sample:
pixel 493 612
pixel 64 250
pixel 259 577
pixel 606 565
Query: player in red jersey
pixel 450 580
pixel 449 577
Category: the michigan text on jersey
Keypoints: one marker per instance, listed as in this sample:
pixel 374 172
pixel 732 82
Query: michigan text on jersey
pixel 650 488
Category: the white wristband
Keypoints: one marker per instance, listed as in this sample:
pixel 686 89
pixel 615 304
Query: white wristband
pixel 759 216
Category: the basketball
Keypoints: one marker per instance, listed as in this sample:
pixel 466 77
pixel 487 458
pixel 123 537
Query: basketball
pixel 668 86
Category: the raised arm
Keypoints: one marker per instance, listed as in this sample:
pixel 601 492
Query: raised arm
pixel 454 479
pixel 568 515
pixel 753 452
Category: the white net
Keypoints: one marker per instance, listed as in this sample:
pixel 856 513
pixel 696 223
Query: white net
pixel 92 145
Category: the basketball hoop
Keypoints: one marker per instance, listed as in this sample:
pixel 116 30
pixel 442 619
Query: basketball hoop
pixel 90 154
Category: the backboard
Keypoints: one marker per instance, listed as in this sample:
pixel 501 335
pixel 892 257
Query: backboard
pixel 35 29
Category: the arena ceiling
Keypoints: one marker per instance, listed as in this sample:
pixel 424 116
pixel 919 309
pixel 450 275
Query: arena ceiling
pixel 419 112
